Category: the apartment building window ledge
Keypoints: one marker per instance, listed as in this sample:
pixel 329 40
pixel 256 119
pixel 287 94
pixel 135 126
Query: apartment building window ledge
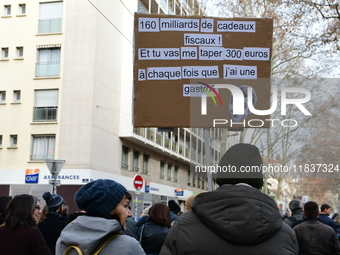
pixel 1 103
pixel 36 161
pixel 13 147
pixel 7 16
pixel 15 102
pixel 18 58
pixel 21 15
pixel 53 33
pixel 43 122
pixel 4 59
pixel 46 77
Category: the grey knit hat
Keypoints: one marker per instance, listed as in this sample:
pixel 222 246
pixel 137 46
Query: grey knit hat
pixel 100 197
pixel 242 163
pixel 53 201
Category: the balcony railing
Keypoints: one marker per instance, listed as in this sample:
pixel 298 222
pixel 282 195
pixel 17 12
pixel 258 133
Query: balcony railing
pixel 45 114
pixel 159 139
pixel 174 146
pixel 47 69
pixel 42 156
pixel 49 25
pixel 167 143
pixel 125 166
pixel 150 134
pixel 139 131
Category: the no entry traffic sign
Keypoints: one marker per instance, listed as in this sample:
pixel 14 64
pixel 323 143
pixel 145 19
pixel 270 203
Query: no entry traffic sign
pixel 138 182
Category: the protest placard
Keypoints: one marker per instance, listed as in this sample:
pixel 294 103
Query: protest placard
pixel 175 54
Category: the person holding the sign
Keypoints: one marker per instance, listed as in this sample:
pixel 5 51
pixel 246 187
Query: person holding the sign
pixel 235 219
pixel 107 210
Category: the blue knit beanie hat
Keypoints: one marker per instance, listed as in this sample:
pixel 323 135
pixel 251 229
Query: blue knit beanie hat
pixel 53 201
pixel 100 197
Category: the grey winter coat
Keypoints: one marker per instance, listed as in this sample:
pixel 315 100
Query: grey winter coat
pixel 87 232
pixel 232 220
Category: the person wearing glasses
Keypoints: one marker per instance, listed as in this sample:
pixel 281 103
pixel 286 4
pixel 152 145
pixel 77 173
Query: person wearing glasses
pixel 20 234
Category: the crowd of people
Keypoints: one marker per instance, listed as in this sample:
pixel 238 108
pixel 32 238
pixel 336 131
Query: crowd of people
pixel 237 218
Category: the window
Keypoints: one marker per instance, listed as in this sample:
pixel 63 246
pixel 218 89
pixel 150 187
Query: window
pixel 169 172
pixel 161 171
pixel 20 52
pixel 194 180
pixel 145 164
pixel 43 147
pixel 135 161
pixel 2 96
pixel 50 19
pixel 125 156
pixel 188 178
pixel 48 62
pixel 17 94
pixel 22 9
pixel 4 53
pixel 0 141
pixel 14 140
pixel 46 105
pixel 7 10
pixel 176 174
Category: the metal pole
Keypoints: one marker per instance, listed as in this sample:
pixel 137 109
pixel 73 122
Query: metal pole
pixel 54 185
pixel 208 156
pixel 136 208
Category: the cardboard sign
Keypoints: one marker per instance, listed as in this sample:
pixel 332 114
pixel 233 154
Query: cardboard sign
pixel 178 59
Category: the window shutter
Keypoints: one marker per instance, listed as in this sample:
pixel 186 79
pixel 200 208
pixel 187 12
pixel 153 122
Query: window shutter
pixel 46 98
pixel 51 10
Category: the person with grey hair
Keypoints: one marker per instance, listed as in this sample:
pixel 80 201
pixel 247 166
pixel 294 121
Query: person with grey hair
pixel 295 206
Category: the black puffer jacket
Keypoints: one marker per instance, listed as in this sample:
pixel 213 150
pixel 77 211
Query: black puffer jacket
pixel 51 228
pixel 232 220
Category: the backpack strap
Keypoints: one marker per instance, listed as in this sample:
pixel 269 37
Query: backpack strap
pixel 141 233
pixel 73 247
pixel 107 241
pixel 292 218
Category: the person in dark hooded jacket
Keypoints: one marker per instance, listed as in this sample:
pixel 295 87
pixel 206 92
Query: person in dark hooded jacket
pixel 237 218
pixel 53 223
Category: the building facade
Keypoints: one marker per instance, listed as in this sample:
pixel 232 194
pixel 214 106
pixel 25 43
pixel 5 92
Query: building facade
pixel 66 91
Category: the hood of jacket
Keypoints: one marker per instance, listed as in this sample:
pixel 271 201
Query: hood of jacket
pixel 87 232
pixel 238 214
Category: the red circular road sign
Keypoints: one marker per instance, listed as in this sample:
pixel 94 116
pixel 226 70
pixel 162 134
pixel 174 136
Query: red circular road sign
pixel 138 182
